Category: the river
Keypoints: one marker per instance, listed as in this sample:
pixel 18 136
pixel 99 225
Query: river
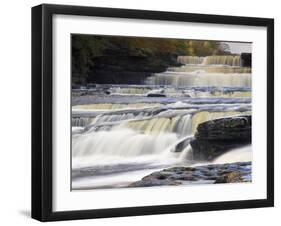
pixel 121 133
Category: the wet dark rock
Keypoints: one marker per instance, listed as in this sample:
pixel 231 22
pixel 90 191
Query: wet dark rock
pixel 183 144
pixel 231 177
pixel 156 95
pixel 205 174
pixel 238 127
pixel 75 86
pixel 246 59
pixel 215 137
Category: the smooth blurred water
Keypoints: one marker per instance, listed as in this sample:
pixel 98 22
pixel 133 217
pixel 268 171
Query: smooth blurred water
pixel 121 133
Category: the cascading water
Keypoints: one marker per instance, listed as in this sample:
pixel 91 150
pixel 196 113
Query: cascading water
pixel 123 143
pixel 80 122
pixel 219 71
pixel 222 60
pixel 181 79
pixel 211 60
pixel 226 69
pixel 126 133
pixel 190 59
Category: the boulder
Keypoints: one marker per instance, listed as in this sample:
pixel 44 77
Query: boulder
pixel 231 177
pixel 182 145
pixel 215 137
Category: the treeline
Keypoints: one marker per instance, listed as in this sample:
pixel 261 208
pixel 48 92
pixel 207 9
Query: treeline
pixel 114 59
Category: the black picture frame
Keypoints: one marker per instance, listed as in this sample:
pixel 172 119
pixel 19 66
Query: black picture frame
pixel 42 111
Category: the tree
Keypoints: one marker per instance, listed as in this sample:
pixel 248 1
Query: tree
pixel 89 52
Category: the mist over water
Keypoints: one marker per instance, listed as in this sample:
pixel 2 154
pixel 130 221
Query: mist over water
pixel 134 130
pixel 236 155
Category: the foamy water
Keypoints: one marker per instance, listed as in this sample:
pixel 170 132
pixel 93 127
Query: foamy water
pixel 124 135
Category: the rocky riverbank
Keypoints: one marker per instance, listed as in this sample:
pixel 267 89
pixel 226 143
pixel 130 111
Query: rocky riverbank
pixel 205 174
pixel 216 137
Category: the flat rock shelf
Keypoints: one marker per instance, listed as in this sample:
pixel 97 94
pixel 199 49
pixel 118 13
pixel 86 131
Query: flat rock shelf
pixel 204 174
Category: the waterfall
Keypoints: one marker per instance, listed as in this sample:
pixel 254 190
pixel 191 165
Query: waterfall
pixel 217 71
pixel 211 60
pixel 181 125
pixel 190 59
pixel 179 79
pixel 184 126
pixel 121 142
pixel 124 129
pixel 222 60
pixel 138 137
pixel 211 69
pixel 80 122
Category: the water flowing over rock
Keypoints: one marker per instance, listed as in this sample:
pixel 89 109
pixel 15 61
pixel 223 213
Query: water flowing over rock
pixel 188 79
pixel 222 60
pixel 80 122
pixel 211 60
pixel 170 120
pixel 218 71
pixel 215 137
pixel 190 59
pixel 226 69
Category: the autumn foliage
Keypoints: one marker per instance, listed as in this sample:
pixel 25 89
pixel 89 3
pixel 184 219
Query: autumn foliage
pixel 94 57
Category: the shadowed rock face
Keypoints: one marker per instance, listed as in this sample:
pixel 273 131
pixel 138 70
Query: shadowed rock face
pixel 246 59
pixel 116 67
pixel 215 137
pixel 206 174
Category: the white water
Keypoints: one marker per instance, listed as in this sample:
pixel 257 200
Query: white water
pixel 182 79
pixel 80 122
pixel 123 142
pixel 126 135
pixel 235 155
pixel 222 60
pixel 190 59
pixel 219 71
pixel 211 60
pixel 226 69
